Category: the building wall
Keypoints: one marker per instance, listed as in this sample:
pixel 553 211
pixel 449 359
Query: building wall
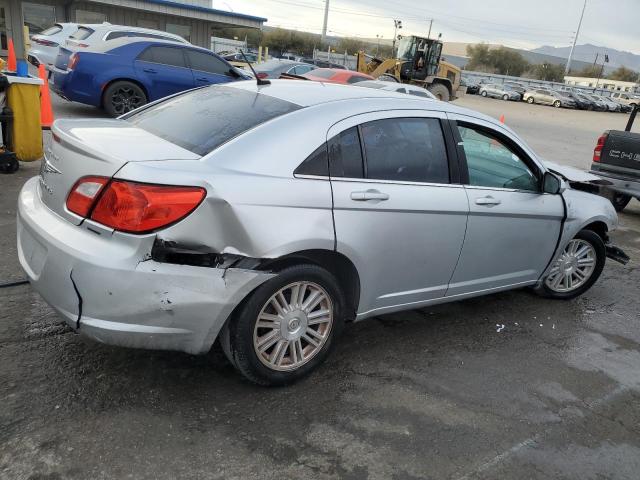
pixel 614 85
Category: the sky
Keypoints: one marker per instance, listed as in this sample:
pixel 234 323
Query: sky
pixel 515 23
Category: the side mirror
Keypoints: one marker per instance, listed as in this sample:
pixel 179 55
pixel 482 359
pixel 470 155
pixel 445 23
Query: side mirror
pixel 552 184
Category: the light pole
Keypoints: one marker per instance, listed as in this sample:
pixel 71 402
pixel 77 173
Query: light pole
pixel 378 46
pixel 326 19
pixel 575 39
pixel 397 26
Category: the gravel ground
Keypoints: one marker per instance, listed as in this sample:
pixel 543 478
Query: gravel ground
pixel 508 386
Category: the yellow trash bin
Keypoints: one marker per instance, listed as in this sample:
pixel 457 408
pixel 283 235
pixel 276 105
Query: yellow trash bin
pixel 23 97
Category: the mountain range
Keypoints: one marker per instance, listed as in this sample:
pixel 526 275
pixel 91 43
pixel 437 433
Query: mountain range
pixel 587 53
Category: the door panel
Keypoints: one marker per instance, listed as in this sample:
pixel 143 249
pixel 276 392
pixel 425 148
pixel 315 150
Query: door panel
pixel 164 71
pixel 403 237
pixel 512 229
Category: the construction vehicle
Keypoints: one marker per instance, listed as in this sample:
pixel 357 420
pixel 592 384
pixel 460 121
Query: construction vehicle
pixel 419 62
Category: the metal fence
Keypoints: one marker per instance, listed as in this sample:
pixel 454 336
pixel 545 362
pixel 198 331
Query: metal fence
pixel 344 59
pixel 219 44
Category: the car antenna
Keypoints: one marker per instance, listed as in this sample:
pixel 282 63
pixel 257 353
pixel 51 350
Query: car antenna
pixel 261 81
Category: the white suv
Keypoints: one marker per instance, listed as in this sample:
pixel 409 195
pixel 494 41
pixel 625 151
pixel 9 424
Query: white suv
pixel 44 45
pixel 91 35
pixel 625 98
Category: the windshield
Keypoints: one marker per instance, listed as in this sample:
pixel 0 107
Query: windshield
pixel 406 48
pixel 202 120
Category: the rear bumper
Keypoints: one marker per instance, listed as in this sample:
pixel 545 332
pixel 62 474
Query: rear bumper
pixel 105 287
pixel 621 184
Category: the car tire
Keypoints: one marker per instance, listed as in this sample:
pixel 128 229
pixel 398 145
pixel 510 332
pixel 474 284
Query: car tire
pixel 557 104
pixel 123 96
pixel 618 200
pixel 257 322
pixel 505 97
pixel 531 100
pixel 441 92
pixel 483 94
pixel 571 257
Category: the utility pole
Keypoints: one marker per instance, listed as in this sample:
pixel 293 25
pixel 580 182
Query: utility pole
pixel 575 39
pixel 326 19
pixel 397 26
pixel 430 25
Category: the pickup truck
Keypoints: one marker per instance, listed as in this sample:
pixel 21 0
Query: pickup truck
pixel 616 159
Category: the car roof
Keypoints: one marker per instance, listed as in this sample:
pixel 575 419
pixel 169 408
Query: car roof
pixel 311 93
pixel 118 28
pixel 119 42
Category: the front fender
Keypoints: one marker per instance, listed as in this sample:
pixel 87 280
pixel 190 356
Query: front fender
pixel 582 209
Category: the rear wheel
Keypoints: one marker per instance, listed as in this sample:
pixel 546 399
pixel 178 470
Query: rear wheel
pixel 441 92
pixel 619 200
pixel 287 326
pixel 505 97
pixel 123 96
pixel 557 104
pixel 483 93
pixel 577 269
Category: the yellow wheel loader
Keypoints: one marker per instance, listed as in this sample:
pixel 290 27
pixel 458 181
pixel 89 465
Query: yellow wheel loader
pixel 418 63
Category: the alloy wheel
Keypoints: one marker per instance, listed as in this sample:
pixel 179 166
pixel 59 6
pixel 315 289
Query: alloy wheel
pixel 574 267
pixel 293 326
pixel 125 99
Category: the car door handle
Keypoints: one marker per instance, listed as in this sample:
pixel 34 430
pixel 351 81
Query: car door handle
pixel 488 200
pixel 149 70
pixel 202 79
pixel 369 195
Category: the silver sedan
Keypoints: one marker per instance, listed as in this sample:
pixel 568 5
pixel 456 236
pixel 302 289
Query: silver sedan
pixel 268 216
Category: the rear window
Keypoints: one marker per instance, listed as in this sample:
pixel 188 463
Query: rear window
pixel 82 33
pixel 203 119
pixel 51 30
pixel 322 73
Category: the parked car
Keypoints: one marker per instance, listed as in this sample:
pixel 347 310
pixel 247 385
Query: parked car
pixel 582 103
pixel 472 87
pixel 275 67
pixel 124 74
pixel 611 105
pixel 549 97
pixel 238 57
pixel 616 158
pixel 600 105
pixel 267 216
pixel 398 87
pixel 625 98
pixel 323 63
pixel 332 75
pixel 518 87
pixel 496 90
pixel 589 102
pixel 95 35
pixel 44 45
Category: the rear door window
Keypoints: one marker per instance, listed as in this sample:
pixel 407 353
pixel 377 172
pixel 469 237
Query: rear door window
pixel 51 30
pixel 345 155
pixel 405 149
pixel 202 120
pixel 82 33
pixel 164 55
pixel 207 63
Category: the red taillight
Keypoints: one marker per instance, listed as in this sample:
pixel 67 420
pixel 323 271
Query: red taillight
pixel 83 45
pixel 262 75
pixel 84 193
pixel 140 208
pixel 597 152
pixel 46 43
pixel 73 61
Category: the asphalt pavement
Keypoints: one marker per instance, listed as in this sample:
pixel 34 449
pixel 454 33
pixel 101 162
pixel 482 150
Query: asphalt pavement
pixel 508 386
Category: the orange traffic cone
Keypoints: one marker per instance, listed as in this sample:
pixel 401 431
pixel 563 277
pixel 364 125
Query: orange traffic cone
pixel 502 118
pixel 11 58
pixel 46 112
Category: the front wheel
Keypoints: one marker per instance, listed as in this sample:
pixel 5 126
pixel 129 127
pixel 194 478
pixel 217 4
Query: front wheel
pixel 530 100
pixel 577 269
pixel 483 94
pixel 505 97
pixel 123 96
pixel 286 328
pixel 441 92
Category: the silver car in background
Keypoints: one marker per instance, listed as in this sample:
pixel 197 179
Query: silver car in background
pixel 549 97
pixel 275 67
pixel 505 92
pixel 414 90
pixel 44 45
pixel 266 216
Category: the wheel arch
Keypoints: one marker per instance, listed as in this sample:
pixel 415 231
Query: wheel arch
pixel 340 266
pixel 598 227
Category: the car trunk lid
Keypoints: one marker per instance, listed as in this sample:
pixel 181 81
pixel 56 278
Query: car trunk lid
pixel 96 147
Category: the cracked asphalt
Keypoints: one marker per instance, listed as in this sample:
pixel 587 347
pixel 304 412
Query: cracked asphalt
pixel 508 386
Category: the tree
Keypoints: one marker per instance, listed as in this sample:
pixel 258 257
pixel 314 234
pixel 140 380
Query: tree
pixel 591 71
pixel 351 45
pixel 502 60
pixel 547 71
pixel 624 74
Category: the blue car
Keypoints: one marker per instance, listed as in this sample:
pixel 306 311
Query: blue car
pixel 124 74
